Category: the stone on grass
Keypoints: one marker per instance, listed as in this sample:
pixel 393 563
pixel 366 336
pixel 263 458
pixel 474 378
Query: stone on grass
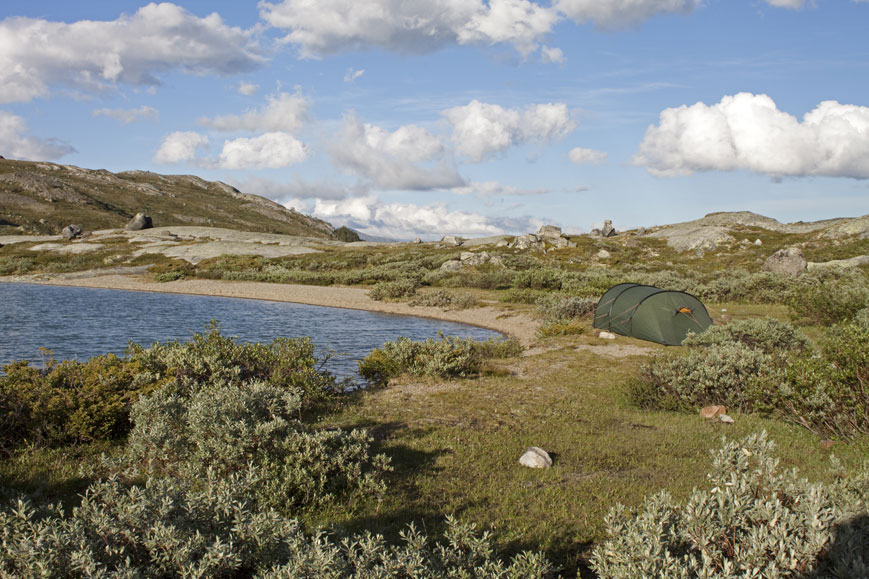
pixel 603 254
pixel 725 419
pixel 451 240
pixel 712 411
pixel 70 232
pixel 139 222
pixel 788 261
pixel 606 336
pixel 535 457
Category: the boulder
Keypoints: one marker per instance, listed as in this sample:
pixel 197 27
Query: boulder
pixel 417 241
pixel 451 265
pixel 471 258
pixel 139 222
pixel 788 261
pixel 535 457
pixel 528 241
pixel 451 240
pixel 549 232
pixel 603 254
pixel 70 232
pixel 641 231
pixel 607 230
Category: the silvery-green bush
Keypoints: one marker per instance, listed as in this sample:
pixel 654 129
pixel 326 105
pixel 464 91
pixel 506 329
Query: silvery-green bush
pixel 753 520
pixel 228 428
pixel 168 528
pixel 767 334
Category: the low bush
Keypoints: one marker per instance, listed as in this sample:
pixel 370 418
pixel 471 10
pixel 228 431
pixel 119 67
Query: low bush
pixel 768 335
pixel 832 299
pixel 562 328
pixel 446 357
pixel 445 300
pixel 559 308
pixel 753 521
pixel 226 428
pixel 393 289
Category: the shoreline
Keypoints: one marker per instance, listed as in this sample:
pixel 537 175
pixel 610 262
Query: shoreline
pixel 520 326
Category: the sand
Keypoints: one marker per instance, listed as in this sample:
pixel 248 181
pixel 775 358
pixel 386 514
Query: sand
pixel 520 326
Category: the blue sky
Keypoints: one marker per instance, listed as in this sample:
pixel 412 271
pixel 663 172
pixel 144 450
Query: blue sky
pixel 406 118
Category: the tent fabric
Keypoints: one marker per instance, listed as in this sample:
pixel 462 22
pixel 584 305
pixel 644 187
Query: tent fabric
pixel 650 313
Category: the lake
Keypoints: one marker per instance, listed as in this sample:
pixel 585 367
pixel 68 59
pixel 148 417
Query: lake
pixel 78 323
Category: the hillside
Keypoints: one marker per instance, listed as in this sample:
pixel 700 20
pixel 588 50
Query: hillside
pixel 42 198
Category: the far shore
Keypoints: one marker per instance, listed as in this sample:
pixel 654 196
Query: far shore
pixel 520 326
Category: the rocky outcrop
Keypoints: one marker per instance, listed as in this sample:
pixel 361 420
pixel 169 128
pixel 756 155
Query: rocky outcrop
pixel 140 222
pixel 690 237
pixel 788 261
pixel 855 261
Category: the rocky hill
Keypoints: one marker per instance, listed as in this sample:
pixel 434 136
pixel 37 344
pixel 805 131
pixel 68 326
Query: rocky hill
pixel 42 198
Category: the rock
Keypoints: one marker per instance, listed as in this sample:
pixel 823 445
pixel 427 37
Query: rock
pixel 528 241
pixel 641 231
pixel 758 242
pixel 603 254
pixel 535 457
pixel 451 240
pixel 595 232
pixel 725 419
pixel 788 261
pixel 607 230
pixel 855 261
pixel 472 258
pixel 139 222
pixel 70 232
pixel 417 241
pixel 689 237
pixel 606 336
pixel 549 232
pixel 712 411
pixel 451 265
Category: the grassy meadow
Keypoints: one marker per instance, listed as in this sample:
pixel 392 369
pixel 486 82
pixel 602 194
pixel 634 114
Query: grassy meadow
pixel 443 435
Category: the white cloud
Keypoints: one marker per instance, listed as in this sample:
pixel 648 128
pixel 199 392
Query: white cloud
pixel 331 26
pixel 352 74
pixel 408 158
pixel 16 144
pixel 792 4
pixel 270 150
pixel 297 190
pixel 127 116
pixel 554 55
pixel 620 13
pixel 181 146
pixel 495 189
pixel 247 88
pixel 133 49
pixel 406 221
pixel 285 112
pixel 747 131
pixel 582 156
pixel 480 130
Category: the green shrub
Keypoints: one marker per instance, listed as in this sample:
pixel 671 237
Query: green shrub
pixel 446 357
pixel 393 289
pixel 550 278
pixel 561 328
pixel 231 428
pixel 169 529
pixel 768 335
pixel 831 300
pixel 444 300
pixel 345 234
pixel 521 296
pixel 753 521
pixel 558 308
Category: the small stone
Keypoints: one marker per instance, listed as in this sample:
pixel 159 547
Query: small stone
pixel 606 336
pixel 712 411
pixel 725 419
pixel 603 254
pixel 758 242
pixel 535 457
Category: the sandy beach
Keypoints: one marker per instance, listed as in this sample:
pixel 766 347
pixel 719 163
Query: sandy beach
pixel 519 326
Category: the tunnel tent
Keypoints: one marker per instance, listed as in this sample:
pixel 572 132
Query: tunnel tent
pixel 650 313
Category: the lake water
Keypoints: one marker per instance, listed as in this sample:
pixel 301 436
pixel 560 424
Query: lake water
pixel 78 323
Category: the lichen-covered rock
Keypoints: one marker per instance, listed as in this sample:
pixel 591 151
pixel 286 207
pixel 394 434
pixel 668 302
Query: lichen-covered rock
pixel 788 261
pixel 451 240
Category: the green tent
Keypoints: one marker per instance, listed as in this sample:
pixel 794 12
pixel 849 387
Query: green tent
pixel 650 313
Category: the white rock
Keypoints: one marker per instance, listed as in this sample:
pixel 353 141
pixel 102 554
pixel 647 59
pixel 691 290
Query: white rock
pixel 603 254
pixel 535 457
pixel 725 419
pixel 607 336
pixel 758 242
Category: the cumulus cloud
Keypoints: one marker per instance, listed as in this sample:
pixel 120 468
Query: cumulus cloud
pixel 620 13
pixel 582 156
pixel 270 150
pixel 495 189
pixel 747 131
pixel 285 112
pixel 408 158
pixel 792 4
pixel 332 26
pixel 127 116
pixel 181 147
pixel 480 130
pixel 16 144
pixel 407 221
pixel 554 55
pixel 247 88
pixel 133 49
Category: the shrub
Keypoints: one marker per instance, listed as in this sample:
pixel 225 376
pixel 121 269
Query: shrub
pixel 228 428
pixel 167 529
pixel 345 234
pixel 393 289
pixel 521 296
pixel 444 300
pixel 563 328
pixel 754 521
pixel 446 357
pixel 831 300
pixel 768 335
pixel 555 308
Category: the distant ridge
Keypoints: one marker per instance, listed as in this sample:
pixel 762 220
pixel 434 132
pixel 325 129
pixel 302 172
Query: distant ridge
pixel 43 198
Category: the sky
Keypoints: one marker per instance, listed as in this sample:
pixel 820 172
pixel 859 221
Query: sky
pixel 425 118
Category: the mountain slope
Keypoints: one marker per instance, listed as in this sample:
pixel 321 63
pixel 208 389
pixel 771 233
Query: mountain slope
pixel 45 197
